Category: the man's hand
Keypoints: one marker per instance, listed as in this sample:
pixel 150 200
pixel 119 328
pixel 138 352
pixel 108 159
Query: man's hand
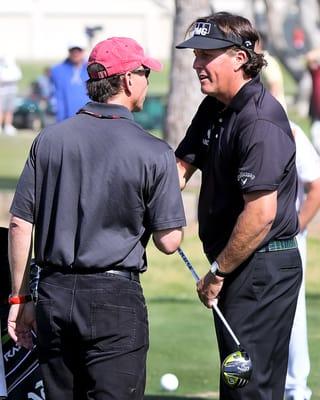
pixel 209 288
pixel 185 172
pixel 21 321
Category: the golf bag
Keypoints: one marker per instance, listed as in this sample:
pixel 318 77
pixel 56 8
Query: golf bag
pixel 21 366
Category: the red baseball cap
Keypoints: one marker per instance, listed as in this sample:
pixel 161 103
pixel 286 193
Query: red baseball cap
pixel 119 55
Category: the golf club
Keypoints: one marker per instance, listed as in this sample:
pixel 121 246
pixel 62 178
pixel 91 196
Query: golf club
pixel 236 368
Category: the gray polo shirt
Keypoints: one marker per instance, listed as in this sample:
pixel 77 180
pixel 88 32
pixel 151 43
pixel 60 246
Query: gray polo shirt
pixel 96 186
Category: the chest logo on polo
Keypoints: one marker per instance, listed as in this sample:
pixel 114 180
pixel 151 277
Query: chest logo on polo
pixel 206 139
pixel 245 177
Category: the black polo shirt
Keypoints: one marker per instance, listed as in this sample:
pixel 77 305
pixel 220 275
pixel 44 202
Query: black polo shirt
pixel 245 147
pixel 95 186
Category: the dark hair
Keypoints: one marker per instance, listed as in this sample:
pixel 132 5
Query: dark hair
pixel 242 28
pixel 100 90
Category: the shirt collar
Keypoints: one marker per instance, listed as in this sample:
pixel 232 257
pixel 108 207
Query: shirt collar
pixel 245 94
pixel 107 110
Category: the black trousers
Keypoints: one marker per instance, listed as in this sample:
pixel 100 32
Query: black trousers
pixel 92 336
pixel 259 302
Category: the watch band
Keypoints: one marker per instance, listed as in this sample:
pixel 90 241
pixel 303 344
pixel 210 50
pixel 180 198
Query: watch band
pixel 222 274
pixel 216 271
pixel 19 299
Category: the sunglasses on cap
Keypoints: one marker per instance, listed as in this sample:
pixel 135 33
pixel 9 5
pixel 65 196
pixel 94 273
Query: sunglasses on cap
pixel 143 70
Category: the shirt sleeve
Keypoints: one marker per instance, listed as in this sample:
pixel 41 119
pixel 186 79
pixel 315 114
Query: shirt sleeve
pixel 265 151
pixel 23 204
pixel 164 202
pixel 189 148
pixel 195 145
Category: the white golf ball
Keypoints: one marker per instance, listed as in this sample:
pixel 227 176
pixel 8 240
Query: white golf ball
pixel 169 382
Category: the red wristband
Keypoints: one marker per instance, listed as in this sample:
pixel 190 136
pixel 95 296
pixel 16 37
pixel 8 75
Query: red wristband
pixel 19 299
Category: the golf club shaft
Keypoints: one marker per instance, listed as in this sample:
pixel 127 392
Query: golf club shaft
pixel 214 306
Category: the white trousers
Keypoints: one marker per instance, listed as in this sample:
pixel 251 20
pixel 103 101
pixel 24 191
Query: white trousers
pixel 315 135
pixel 299 362
pixel 3 386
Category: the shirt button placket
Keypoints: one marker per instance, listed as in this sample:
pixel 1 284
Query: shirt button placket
pixel 220 120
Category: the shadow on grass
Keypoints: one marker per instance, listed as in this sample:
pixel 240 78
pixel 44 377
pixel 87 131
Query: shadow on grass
pixel 7 183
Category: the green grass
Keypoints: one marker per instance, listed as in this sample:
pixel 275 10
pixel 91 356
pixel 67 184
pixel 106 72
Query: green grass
pixel 182 339
pixel 13 153
pixel 183 343
pixel 313 272
pixel 313 307
pixel 181 329
pixel 159 81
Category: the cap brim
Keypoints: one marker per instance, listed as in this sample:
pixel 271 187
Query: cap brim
pixel 204 43
pixel 152 63
pixel 76 47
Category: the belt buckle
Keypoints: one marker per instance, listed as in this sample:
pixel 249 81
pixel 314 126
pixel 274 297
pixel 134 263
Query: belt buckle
pixel 131 275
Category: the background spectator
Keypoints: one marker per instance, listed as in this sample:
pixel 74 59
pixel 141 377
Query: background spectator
pixel 271 75
pixel 69 79
pixel 307 204
pixel 42 90
pixel 313 62
pixel 10 74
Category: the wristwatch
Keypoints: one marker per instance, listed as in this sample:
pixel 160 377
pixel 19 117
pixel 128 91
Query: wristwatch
pixel 215 270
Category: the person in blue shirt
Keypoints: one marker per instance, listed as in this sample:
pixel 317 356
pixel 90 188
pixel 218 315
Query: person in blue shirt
pixel 68 80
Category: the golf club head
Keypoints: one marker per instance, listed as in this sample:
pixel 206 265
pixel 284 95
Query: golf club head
pixel 236 369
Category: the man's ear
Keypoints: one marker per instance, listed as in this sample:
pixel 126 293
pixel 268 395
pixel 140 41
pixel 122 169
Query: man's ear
pixel 127 83
pixel 240 59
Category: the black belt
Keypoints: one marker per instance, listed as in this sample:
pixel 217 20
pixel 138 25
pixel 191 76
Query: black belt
pixel 132 275
pixel 278 245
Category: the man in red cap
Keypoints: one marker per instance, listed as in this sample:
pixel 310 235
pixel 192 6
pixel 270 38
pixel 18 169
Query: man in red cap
pixel 95 187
